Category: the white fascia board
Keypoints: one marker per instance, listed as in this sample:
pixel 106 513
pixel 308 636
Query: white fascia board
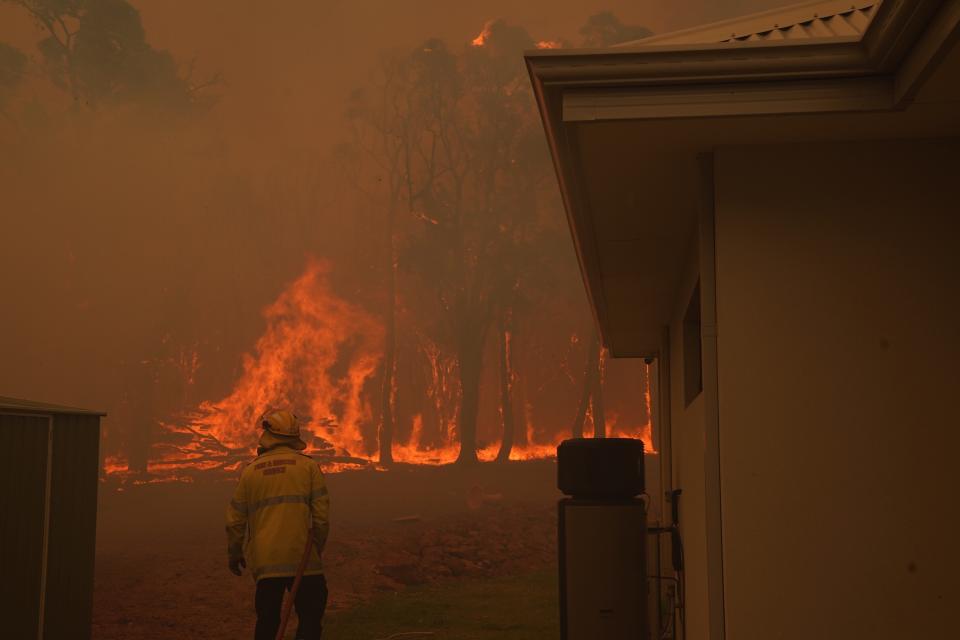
pixel 690 64
pixel 730 99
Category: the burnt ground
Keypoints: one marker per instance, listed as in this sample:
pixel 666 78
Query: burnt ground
pixel 161 553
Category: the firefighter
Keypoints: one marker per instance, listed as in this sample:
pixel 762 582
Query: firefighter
pixel 280 498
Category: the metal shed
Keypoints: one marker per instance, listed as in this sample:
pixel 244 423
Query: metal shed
pixel 48 518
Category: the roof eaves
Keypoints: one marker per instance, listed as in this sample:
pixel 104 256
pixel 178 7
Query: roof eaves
pixel 896 27
pixel 18 405
pixel 900 47
pixel 672 64
pixel 778 21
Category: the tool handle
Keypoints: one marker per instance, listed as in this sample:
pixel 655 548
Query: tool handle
pixel 288 605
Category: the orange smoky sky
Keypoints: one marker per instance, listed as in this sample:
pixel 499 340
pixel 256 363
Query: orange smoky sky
pixel 287 66
pixel 123 239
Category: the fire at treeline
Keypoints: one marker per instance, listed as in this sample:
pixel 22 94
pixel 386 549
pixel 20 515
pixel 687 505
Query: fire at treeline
pixel 411 294
pixel 328 356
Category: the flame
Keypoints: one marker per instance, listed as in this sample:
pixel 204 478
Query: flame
pixel 549 44
pixel 642 432
pixel 189 363
pixel 481 39
pixel 309 330
pixel 416 450
pixel 113 465
pixel 648 405
pixel 317 354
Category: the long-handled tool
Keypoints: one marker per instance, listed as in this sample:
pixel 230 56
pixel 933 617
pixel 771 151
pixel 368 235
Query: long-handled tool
pixel 288 606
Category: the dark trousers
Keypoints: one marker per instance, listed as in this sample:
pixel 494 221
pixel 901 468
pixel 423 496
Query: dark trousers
pixel 310 603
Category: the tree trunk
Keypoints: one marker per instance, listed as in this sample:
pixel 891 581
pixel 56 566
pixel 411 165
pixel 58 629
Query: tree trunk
pixel 506 389
pixel 590 372
pixel 387 392
pixel 596 400
pixel 470 351
pixel 143 414
pixel 385 435
pixel 520 435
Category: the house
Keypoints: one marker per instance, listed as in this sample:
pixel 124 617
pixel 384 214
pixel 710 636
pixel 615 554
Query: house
pixel 770 208
pixel 48 518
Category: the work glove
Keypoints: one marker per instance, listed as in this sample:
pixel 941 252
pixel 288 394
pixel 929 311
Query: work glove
pixel 237 565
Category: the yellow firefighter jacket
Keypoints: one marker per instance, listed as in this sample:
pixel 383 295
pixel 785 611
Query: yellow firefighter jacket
pixel 281 495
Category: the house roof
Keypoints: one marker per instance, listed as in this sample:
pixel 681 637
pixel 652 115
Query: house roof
pixel 804 21
pixel 17 405
pixel 626 127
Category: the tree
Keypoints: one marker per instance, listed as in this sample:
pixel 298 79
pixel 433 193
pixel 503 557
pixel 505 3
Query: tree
pixel 604 29
pixel 96 50
pixel 507 379
pixel 516 165
pixel 12 65
pixel 443 249
pixel 479 202
pixel 591 398
pixel 458 144
pixel 383 129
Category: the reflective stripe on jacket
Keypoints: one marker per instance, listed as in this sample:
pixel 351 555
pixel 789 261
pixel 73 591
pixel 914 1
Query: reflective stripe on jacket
pixel 280 496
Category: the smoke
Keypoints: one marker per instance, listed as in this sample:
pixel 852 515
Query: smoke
pixel 143 244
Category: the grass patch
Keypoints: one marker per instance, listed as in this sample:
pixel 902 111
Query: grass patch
pixel 516 608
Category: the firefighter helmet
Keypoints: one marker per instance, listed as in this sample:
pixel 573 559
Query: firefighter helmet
pixel 281 423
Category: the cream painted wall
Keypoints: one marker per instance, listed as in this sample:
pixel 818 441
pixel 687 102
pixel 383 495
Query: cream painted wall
pixel 687 441
pixel 838 281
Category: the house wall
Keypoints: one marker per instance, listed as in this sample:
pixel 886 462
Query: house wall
pixel 838 272
pixel 687 440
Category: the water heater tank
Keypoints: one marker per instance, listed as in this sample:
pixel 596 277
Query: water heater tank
pixel 603 578
pixel 602 540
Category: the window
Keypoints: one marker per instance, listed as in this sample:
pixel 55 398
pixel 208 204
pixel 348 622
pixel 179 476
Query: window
pixel 692 353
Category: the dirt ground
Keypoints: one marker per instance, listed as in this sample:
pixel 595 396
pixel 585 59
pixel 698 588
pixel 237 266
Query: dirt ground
pixel 161 556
